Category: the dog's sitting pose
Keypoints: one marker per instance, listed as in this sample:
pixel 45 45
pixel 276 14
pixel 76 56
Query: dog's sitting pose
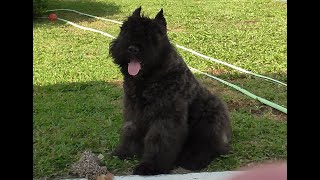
pixel 170 119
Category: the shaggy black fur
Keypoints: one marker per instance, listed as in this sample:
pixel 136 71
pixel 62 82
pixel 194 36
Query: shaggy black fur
pixel 170 119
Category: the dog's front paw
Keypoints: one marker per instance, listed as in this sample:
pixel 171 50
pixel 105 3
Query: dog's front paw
pixel 121 153
pixel 145 169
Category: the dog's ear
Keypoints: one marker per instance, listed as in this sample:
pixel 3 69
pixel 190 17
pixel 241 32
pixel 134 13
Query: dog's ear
pixel 160 18
pixel 136 12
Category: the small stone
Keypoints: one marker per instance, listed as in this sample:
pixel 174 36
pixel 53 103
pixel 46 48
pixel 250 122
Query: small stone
pixel 100 156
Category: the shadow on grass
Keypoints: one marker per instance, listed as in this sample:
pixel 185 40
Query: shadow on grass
pixel 71 118
pixel 94 8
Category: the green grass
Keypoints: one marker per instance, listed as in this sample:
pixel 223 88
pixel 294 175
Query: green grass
pixel 77 89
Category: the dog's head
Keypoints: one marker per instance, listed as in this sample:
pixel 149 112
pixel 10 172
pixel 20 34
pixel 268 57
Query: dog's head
pixel 141 44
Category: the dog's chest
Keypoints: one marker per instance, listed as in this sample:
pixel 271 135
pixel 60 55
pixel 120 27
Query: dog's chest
pixel 142 94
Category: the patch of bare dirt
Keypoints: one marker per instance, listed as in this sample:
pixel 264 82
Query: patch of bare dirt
pixel 236 101
pixel 247 22
pixel 117 83
pixel 176 29
pixel 218 71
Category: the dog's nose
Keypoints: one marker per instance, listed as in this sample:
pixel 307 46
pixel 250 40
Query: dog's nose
pixel 133 49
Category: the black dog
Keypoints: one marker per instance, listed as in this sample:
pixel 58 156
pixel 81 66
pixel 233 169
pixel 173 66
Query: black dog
pixel 170 119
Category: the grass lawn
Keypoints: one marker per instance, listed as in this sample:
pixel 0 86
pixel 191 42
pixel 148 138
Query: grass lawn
pixel 78 90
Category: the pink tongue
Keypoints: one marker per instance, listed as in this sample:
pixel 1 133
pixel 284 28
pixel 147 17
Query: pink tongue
pixel 134 67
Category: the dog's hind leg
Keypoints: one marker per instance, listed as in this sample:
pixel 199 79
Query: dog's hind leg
pixel 209 137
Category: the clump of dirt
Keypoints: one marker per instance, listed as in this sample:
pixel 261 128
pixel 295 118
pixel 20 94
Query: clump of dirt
pixel 89 166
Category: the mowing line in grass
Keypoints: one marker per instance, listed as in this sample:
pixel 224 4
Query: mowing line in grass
pixel 262 100
pixel 183 48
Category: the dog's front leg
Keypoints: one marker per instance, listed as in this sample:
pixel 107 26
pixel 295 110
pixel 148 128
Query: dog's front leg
pixel 131 142
pixel 163 141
